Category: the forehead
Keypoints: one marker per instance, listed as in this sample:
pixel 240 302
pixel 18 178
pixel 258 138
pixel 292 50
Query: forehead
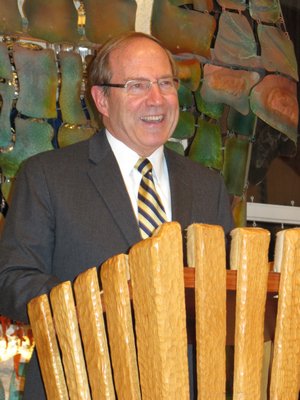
pixel 139 57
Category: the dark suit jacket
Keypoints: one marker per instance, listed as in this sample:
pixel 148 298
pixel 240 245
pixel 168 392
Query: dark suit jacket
pixel 71 211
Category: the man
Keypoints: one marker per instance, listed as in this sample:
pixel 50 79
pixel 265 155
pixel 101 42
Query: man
pixel 74 208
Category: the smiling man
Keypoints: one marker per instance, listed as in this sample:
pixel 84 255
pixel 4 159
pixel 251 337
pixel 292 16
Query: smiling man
pixel 140 107
pixel 73 208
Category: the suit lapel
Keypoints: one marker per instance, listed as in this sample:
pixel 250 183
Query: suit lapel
pixel 105 174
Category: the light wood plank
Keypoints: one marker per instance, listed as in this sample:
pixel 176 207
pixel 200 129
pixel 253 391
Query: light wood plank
pixel 93 333
pixel 47 348
pixel 156 269
pixel 66 325
pixel 206 252
pixel 249 255
pixel 120 327
pixel 285 376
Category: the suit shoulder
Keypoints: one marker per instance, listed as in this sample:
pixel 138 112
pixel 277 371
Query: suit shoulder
pixel 60 155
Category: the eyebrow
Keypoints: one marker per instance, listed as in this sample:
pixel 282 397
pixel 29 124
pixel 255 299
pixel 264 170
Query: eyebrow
pixel 147 79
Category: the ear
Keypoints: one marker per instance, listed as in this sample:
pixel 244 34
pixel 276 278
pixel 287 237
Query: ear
pixel 100 100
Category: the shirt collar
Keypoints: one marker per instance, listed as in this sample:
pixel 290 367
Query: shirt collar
pixel 127 158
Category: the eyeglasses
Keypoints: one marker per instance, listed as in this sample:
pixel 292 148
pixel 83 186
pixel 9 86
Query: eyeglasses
pixel 139 87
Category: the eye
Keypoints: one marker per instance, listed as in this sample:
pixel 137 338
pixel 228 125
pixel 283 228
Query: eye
pixel 136 86
pixel 167 84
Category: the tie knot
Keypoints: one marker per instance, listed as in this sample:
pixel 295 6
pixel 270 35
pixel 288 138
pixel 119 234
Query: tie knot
pixel 143 165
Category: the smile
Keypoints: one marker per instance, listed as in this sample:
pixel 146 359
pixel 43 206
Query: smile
pixel 152 118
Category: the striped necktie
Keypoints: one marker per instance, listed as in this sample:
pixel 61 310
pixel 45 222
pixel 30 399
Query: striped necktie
pixel 151 212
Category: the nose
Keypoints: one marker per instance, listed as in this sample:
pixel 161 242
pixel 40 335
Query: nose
pixel 154 95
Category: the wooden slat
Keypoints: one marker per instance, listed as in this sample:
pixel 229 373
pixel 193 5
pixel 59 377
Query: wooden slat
pixel 285 377
pixel 206 251
pixel 93 334
pixel 120 327
pixel 47 348
pixel 67 329
pixel 249 252
pixel 156 269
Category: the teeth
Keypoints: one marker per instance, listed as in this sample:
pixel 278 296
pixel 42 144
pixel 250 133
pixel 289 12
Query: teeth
pixel 151 118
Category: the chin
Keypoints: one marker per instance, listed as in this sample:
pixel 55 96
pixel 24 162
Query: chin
pixel 155 145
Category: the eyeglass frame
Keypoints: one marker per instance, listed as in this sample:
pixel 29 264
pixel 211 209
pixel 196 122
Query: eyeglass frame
pixel 150 83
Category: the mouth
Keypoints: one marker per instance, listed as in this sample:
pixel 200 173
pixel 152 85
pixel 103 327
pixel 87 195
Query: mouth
pixel 152 118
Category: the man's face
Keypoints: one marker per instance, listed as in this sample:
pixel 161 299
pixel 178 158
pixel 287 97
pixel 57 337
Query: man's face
pixel 142 122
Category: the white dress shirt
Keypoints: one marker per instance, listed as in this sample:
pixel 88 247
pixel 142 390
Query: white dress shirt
pixel 127 159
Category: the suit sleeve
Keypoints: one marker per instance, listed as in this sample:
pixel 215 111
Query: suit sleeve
pixel 27 243
pixel 224 210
